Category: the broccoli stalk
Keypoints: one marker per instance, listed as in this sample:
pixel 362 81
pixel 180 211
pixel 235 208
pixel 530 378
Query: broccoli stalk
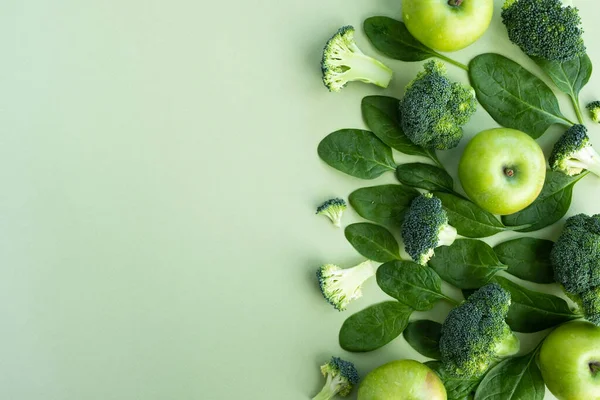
pixel 594 110
pixel 573 153
pixel 344 62
pixel 341 376
pixel 333 209
pixel 342 286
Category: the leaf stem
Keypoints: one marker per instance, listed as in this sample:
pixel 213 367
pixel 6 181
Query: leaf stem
pixel 451 61
pixel 450 300
pixel 577 108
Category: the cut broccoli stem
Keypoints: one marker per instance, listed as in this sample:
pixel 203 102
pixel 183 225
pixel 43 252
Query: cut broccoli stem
pixel 586 158
pixel 451 61
pixel 331 387
pixel 447 235
pixel 509 346
pixel 360 67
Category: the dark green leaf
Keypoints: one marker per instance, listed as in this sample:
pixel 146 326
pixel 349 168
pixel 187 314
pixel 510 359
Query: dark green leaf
pixel 424 176
pixel 513 96
pixel 412 284
pixel 357 153
pixel 570 76
pixel 527 258
pixel 424 336
pixel 513 379
pixel 534 311
pixel 467 264
pixel 381 116
pixel 469 219
pixel 456 388
pixel 373 241
pixel 550 206
pixel 385 204
pixel 374 326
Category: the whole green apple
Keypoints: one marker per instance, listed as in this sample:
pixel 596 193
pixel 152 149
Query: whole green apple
pixel 502 170
pixel 447 25
pixel 402 380
pixel 570 361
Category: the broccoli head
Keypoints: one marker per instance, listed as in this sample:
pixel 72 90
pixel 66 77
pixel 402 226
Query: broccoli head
pixel 426 227
pixel 546 29
pixel 343 62
pixel 475 336
pixel 341 376
pixel 434 108
pixel 575 258
pixel 594 110
pixel 333 209
pixel 573 153
pixel 341 286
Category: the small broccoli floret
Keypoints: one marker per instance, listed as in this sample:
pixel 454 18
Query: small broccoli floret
pixel 547 29
pixel 341 286
pixel 594 110
pixel 333 209
pixel 434 108
pixel 575 258
pixel 573 153
pixel 343 62
pixel 426 227
pixel 475 336
pixel 341 377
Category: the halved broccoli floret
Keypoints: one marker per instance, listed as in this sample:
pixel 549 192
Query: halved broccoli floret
pixel 341 286
pixel 343 62
pixel 575 258
pixel 594 110
pixel 573 153
pixel 426 227
pixel 333 209
pixel 341 377
pixel 434 108
pixel 475 335
pixel 547 29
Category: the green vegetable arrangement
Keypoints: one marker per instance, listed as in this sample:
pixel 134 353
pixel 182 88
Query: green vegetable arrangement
pixel 474 349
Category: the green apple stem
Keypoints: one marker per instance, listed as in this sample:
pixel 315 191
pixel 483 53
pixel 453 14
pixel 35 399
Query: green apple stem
pixel 509 172
pixel 455 3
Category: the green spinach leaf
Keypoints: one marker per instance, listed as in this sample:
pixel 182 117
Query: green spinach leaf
pixel 513 96
pixel 456 388
pixel 385 204
pixel 357 153
pixel 373 241
pixel 374 327
pixel 424 336
pixel 527 258
pixel 424 176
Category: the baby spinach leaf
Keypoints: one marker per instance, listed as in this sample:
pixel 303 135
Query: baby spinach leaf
pixel 424 176
pixel 456 388
pixel 357 153
pixel 534 311
pixel 513 96
pixel 385 204
pixel 527 258
pixel 550 206
pixel 373 241
pixel 424 336
pixel 513 379
pixel 374 326
pixel 467 264
pixel 415 285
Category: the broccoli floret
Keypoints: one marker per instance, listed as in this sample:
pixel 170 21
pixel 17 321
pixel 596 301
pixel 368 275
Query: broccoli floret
pixel 547 29
pixel 575 258
pixel 475 336
pixel 341 286
pixel 573 153
pixel 343 62
pixel 333 209
pixel 434 108
pixel 341 377
pixel 426 227
pixel 594 110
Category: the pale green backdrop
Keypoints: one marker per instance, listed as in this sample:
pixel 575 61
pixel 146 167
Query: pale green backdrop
pixel 159 180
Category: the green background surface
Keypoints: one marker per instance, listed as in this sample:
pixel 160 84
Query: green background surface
pixel 160 176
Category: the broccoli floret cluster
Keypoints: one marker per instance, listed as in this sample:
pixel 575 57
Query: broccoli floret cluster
pixel 434 108
pixel 475 336
pixel 426 227
pixel 341 286
pixel 343 62
pixel 594 110
pixel 547 29
pixel 573 153
pixel 333 209
pixel 575 258
pixel 341 376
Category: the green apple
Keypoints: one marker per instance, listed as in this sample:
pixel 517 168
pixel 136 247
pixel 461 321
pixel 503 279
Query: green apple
pixel 402 380
pixel 570 361
pixel 502 170
pixel 447 25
